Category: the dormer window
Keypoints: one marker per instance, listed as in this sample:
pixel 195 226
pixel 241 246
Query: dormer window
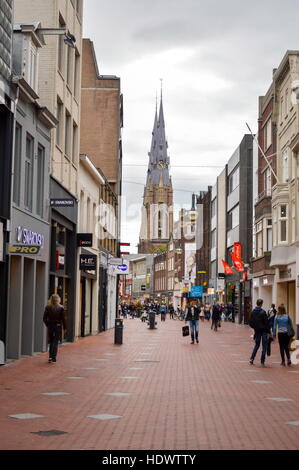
pixel 32 69
pixel 27 41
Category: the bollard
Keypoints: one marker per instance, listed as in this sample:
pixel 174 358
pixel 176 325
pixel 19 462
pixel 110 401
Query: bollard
pixel 118 331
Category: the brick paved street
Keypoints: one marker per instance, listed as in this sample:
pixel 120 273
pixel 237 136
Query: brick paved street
pixel 158 391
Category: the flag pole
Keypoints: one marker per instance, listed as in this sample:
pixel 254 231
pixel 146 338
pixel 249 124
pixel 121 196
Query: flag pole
pixel 268 163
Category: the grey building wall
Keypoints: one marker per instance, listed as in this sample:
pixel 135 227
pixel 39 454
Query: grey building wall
pixel 28 274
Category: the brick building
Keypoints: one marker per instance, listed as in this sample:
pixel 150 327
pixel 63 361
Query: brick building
pixel 101 118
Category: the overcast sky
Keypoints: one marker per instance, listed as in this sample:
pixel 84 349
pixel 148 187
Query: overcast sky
pixel 215 57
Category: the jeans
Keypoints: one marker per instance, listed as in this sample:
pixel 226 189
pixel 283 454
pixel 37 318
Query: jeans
pixel 284 339
pixel 258 338
pixel 54 333
pixel 194 327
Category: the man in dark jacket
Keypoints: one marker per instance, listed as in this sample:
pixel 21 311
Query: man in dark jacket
pixel 260 323
pixel 192 315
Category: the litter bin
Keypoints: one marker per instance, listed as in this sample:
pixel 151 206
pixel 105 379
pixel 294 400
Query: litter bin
pixel 152 320
pixel 118 331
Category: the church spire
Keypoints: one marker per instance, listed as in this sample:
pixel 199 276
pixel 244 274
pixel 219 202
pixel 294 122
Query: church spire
pixel 158 158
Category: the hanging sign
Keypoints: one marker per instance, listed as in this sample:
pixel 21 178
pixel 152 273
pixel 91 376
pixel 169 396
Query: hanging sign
pixel 88 262
pixel 227 268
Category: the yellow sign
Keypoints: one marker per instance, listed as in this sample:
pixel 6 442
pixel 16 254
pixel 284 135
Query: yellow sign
pixel 23 249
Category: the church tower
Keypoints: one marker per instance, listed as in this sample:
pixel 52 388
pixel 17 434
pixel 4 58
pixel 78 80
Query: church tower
pixel 157 209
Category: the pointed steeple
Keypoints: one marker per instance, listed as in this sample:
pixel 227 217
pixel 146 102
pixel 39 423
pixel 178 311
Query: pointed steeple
pixel 158 158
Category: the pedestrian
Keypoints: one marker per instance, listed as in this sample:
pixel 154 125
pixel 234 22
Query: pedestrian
pixel 163 310
pixel 192 315
pixel 171 311
pixel 207 312
pixel 271 316
pixel 284 326
pixel 54 319
pixel 216 315
pixel 202 313
pixel 260 323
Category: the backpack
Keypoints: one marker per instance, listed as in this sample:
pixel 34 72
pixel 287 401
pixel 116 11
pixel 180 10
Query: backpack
pixel 252 320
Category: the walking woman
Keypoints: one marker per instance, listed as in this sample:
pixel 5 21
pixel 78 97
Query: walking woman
pixel 192 315
pixel 284 326
pixel 54 318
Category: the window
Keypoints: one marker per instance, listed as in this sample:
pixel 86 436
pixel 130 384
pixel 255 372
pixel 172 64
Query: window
pixel 40 181
pixel 269 239
pixel 268 134
pixel 61 47
pixel 77 74
pixel 259 239
pixel 281 108
pixel 29 172
pixel 59 127
pixel 233 218
pixel 213 208
pixel 32 79
pixel 267 182
pixel 213 239
pixel 293 222
pixel 69 73
pixel 282 227
pixel 17 164
pixel 286 101
pixel 75 143
pixel 67 136
pixel 285 166
pixel 233 180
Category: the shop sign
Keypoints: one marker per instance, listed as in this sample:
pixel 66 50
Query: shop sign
pixel 88 262
pixel 285 274
pixel 27 237
pixel 84 239
pixel 23 249
pixel 196 291
pixel 62 202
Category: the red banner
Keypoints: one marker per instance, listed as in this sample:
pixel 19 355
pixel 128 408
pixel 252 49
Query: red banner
pixel 227 268
pixel 237 262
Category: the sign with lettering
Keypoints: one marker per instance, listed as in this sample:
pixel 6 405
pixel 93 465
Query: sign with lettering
pixel 27 237
pixel 23 249
pixel 88 262
pixel 84 239
pixel 62 202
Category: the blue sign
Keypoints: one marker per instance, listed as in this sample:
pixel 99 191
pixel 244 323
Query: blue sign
pixel 122 267
pixel 196 291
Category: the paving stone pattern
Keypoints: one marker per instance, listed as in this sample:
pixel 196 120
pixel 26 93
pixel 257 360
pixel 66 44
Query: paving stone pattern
pixel 190 397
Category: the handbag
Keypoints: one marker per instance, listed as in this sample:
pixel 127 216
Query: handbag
pixel 291 331
pixel 185 330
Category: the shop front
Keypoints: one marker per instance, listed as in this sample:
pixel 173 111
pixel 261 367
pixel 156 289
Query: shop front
pixel 28 285
pixel 63 252
pixel 88 292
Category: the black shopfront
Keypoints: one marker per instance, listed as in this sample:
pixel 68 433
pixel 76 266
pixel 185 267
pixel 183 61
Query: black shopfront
pixel 63 253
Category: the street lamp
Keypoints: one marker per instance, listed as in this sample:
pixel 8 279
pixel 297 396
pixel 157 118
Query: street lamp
pixel 69 38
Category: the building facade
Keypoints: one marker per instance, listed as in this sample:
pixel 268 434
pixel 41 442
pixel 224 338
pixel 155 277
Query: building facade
pixel 261 271
pixel 29 243
pixel 203 251
pixel 285 201
pixel 59 88
pixel 7 109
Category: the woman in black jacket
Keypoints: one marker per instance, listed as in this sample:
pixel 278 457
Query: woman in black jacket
pixel 192 315
pixel 54 319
